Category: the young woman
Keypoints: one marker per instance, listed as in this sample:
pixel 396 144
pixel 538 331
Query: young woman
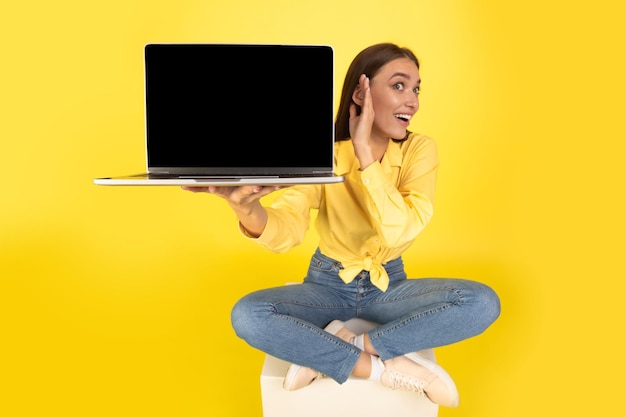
pixel 364 225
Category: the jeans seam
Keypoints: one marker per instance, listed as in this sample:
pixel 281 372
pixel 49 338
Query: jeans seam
pixel 459 295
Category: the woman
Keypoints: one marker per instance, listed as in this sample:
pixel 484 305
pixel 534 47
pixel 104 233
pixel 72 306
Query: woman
pixel 364 225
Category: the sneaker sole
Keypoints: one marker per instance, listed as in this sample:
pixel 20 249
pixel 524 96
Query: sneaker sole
pixel 291 374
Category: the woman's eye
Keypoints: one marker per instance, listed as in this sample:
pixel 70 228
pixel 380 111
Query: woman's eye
pixel 398 86
pixel 416 90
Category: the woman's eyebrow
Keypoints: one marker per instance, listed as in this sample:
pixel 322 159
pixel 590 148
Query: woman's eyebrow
pixel 399 74
pixel 404 75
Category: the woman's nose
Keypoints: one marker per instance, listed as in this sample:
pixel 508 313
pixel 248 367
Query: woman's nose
pixel 412 101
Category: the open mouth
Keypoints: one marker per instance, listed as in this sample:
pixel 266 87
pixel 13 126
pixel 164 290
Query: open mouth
pixel 404 117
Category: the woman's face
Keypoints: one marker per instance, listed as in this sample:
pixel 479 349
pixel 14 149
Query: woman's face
pixel 394 91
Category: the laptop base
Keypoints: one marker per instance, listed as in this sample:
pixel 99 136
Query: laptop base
pixel 146 179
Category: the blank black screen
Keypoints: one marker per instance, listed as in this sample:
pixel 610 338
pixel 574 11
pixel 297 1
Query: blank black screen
pixel 214 106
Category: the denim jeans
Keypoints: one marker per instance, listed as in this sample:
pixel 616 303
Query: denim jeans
pixel 414 314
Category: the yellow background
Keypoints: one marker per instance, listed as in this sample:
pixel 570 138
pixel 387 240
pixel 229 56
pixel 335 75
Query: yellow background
pixel 116 301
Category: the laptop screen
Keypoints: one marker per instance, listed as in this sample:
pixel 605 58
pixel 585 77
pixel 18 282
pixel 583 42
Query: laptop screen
pixel 239 109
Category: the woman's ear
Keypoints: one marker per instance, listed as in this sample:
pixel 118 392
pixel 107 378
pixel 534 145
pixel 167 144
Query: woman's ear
pixel 357 96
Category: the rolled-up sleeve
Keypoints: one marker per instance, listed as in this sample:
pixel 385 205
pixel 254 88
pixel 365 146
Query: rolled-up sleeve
pixel 289 218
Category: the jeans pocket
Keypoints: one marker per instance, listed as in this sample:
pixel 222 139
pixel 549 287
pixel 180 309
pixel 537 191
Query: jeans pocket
pixel 324 265
pixel 322 269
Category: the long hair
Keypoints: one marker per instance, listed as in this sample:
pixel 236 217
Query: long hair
pixel 369 61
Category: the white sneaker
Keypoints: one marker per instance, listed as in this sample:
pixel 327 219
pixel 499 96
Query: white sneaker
pixel 415 372
pixel 299 377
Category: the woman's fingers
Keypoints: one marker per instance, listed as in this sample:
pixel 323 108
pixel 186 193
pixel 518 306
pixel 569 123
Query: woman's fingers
pixel 237 194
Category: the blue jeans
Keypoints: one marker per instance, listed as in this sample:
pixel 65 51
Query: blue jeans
pixel 414 314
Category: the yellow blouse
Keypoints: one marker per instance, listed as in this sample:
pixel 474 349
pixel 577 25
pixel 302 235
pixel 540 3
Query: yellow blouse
pixel 369 219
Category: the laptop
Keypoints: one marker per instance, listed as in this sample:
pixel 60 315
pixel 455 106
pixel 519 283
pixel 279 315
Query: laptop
pixel 237 114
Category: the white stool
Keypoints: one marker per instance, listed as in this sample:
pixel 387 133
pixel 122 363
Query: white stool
pixel 325 397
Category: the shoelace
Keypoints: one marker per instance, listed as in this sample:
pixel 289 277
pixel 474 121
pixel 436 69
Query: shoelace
pixel 403 382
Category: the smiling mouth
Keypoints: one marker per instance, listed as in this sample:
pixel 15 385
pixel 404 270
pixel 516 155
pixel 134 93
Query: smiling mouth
pixel 403 117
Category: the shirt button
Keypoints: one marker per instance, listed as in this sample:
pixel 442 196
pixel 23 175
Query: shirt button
pixel 366 180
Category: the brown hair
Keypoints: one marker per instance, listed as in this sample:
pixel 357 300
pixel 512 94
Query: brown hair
pixel 369 61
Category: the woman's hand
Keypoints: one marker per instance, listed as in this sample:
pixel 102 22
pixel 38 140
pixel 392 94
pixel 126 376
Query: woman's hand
pixel 244 200
pixel 361 124
pixel 237 196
